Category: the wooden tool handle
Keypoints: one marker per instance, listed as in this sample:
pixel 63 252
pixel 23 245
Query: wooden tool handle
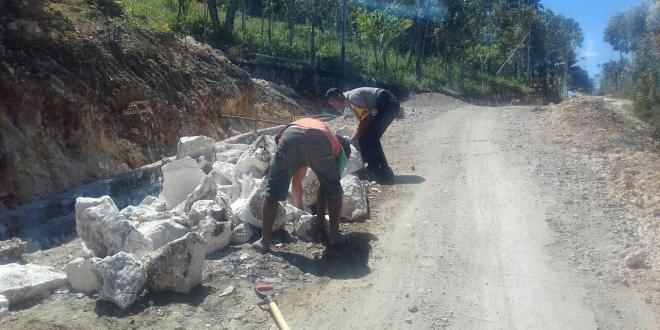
pixel 277 315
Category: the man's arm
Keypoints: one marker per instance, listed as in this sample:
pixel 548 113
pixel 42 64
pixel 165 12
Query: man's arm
pixel 296 187
pixel 362 127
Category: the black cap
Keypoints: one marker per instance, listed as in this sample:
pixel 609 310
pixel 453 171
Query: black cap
pixel 332 92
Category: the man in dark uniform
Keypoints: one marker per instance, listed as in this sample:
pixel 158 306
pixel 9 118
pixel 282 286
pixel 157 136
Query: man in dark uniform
pixel 375 109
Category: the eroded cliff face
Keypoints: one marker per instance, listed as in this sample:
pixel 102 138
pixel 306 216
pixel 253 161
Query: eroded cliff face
pixel 82 98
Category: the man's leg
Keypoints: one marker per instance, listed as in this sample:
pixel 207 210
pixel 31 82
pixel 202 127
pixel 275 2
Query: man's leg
pixel 334 208
pixel 269 209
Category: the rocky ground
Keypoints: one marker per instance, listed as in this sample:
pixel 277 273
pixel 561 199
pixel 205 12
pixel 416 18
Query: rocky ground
pixel 515 217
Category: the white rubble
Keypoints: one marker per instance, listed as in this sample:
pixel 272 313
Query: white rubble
pixel 24 282
pixel 249 209
pixel 122 235
pixel 154 203
pixel 180 178
pixel 242 233
pixel 293 214
pixel 90 216
pixel 139 213
pixel 344 131
pixel 161 232
pixel 81 274
pixel 123 279
pixel 256 159
pixel 230 156
pixel 310 188
pixel 218 234
pixel 219 185
pixel 4 305
pixel 205 208
pixel 194 146
pixel 307 227
pixel 12 248
pixel 178 265
pixel 354 202
pixel 354 163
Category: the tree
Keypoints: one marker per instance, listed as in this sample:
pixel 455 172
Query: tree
pixel 215 21
pixel 230 16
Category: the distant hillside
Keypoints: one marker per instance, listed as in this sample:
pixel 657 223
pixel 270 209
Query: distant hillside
pixel 82 98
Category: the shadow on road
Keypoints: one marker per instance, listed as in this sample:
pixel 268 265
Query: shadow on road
pixel 347 262
pixel 407 179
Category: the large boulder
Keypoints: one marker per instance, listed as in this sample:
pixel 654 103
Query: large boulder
pixel 82 274
pixel 161 232
pixel 307 228
pixel 248 209
pixel 123 279
pixel 230 156
pixel 217 234
pixel 354 163
pixel 12 248
pixel 25 282
pixel 180 178
pixel 219 185
pixel 355 203
pixel 123 236
pixel 194 146
pixel 178 265
pixel 256 159
pixel 91 214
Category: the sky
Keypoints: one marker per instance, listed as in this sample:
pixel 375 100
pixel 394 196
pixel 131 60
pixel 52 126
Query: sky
pixel 593 16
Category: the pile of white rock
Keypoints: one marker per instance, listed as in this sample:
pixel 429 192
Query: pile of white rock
pixel 211 197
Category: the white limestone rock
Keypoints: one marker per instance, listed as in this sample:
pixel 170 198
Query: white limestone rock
pixel 180 178
pixel 123 236
pixel 91 214
pixel 139 213
pixel 293 214
pixel 154 203
pixel 82 275
pixel 161 232
pixel 256 159
pixel 4 305
pixel 219 185
pixel 24 282
pixel 218 234
pixel 355 200
pixel 242 233
pixel 178 265
pixel 206 208
pixel 354 163
pixel 310 188
pixel 249 209
pixel 12 248
pixel 307 228
pixel 123 279
pixel 194 146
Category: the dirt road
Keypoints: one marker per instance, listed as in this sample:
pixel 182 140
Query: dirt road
pixel 465 240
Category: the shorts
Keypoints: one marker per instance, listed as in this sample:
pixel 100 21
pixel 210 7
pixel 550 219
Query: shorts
pixel 300 147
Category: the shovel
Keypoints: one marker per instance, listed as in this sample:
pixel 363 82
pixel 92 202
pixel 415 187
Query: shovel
pixel 264 291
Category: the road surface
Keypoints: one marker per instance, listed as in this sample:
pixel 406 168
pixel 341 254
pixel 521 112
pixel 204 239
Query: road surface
pixel 463 242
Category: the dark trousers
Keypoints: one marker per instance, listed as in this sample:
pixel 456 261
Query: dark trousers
pixel 370 147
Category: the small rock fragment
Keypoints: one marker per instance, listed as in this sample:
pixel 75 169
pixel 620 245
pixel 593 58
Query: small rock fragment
pixel 227 291
pixel 413 309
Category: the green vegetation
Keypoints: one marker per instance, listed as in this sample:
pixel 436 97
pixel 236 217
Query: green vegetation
pixel 497 50
pixel 637 74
